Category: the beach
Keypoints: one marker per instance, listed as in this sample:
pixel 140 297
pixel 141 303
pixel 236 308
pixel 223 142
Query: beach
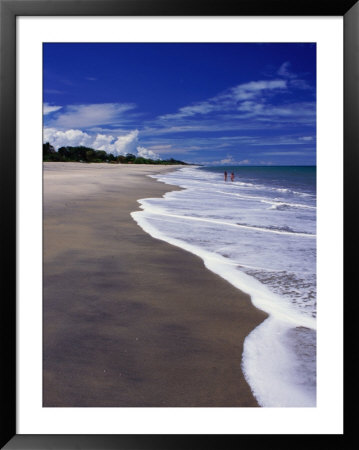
pixel 129 320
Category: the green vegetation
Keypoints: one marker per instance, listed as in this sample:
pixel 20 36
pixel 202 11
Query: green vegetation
pixel 89 155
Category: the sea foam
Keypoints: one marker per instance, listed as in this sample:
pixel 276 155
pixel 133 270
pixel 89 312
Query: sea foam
pixel 253 250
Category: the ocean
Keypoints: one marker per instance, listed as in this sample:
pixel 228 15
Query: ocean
pixel 259 233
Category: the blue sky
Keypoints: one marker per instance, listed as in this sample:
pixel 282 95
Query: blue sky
pixel 205 103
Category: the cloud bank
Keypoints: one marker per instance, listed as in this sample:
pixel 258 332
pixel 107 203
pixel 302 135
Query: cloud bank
pixel 120 145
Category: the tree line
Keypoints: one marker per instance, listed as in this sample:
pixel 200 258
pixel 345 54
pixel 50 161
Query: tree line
pixel 89 155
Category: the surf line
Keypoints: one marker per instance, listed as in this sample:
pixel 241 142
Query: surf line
pixel 236 225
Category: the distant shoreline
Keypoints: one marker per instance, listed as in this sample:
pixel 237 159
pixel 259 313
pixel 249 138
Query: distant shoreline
pixel 89 155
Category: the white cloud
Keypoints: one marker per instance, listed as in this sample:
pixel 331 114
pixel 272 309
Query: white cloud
pixel 250 106
pixel 248 95
pixel 300 84
pixel 284 71
pixel 145 153
pixel 120 145
pixel 306 138
pixel 59 138
pixel 255 88
pixel 293 79
pixel 84 116
pixel 197 108
pixel 230 160
pixel 290 153
pixel 103 142
pixel 227 160
pixel 47 108
pixel 127 143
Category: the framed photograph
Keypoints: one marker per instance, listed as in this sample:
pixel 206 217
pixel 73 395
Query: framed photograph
pixel 169 248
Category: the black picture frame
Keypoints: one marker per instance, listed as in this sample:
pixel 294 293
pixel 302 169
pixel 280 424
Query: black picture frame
pixel 9 10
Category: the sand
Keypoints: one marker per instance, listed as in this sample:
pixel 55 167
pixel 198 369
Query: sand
pixel 129 320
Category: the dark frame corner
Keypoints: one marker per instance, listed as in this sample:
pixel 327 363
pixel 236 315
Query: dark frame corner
pixel 9 10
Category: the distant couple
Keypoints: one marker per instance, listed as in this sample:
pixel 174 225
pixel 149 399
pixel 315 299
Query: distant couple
pixel 225 176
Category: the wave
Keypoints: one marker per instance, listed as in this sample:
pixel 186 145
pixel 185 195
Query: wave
pixel 276 203
pixel 276 271
pixel 290 191
pixel 269 229
pixel 284 205
pixel 244 197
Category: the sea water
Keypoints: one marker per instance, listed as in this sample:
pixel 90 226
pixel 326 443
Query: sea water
pixel 259 233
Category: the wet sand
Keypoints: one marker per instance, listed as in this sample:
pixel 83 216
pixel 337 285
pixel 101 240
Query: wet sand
pixel 129 320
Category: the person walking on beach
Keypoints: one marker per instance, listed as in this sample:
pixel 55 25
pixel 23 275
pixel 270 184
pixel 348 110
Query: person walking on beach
pixel 232 176
pixel 225 175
